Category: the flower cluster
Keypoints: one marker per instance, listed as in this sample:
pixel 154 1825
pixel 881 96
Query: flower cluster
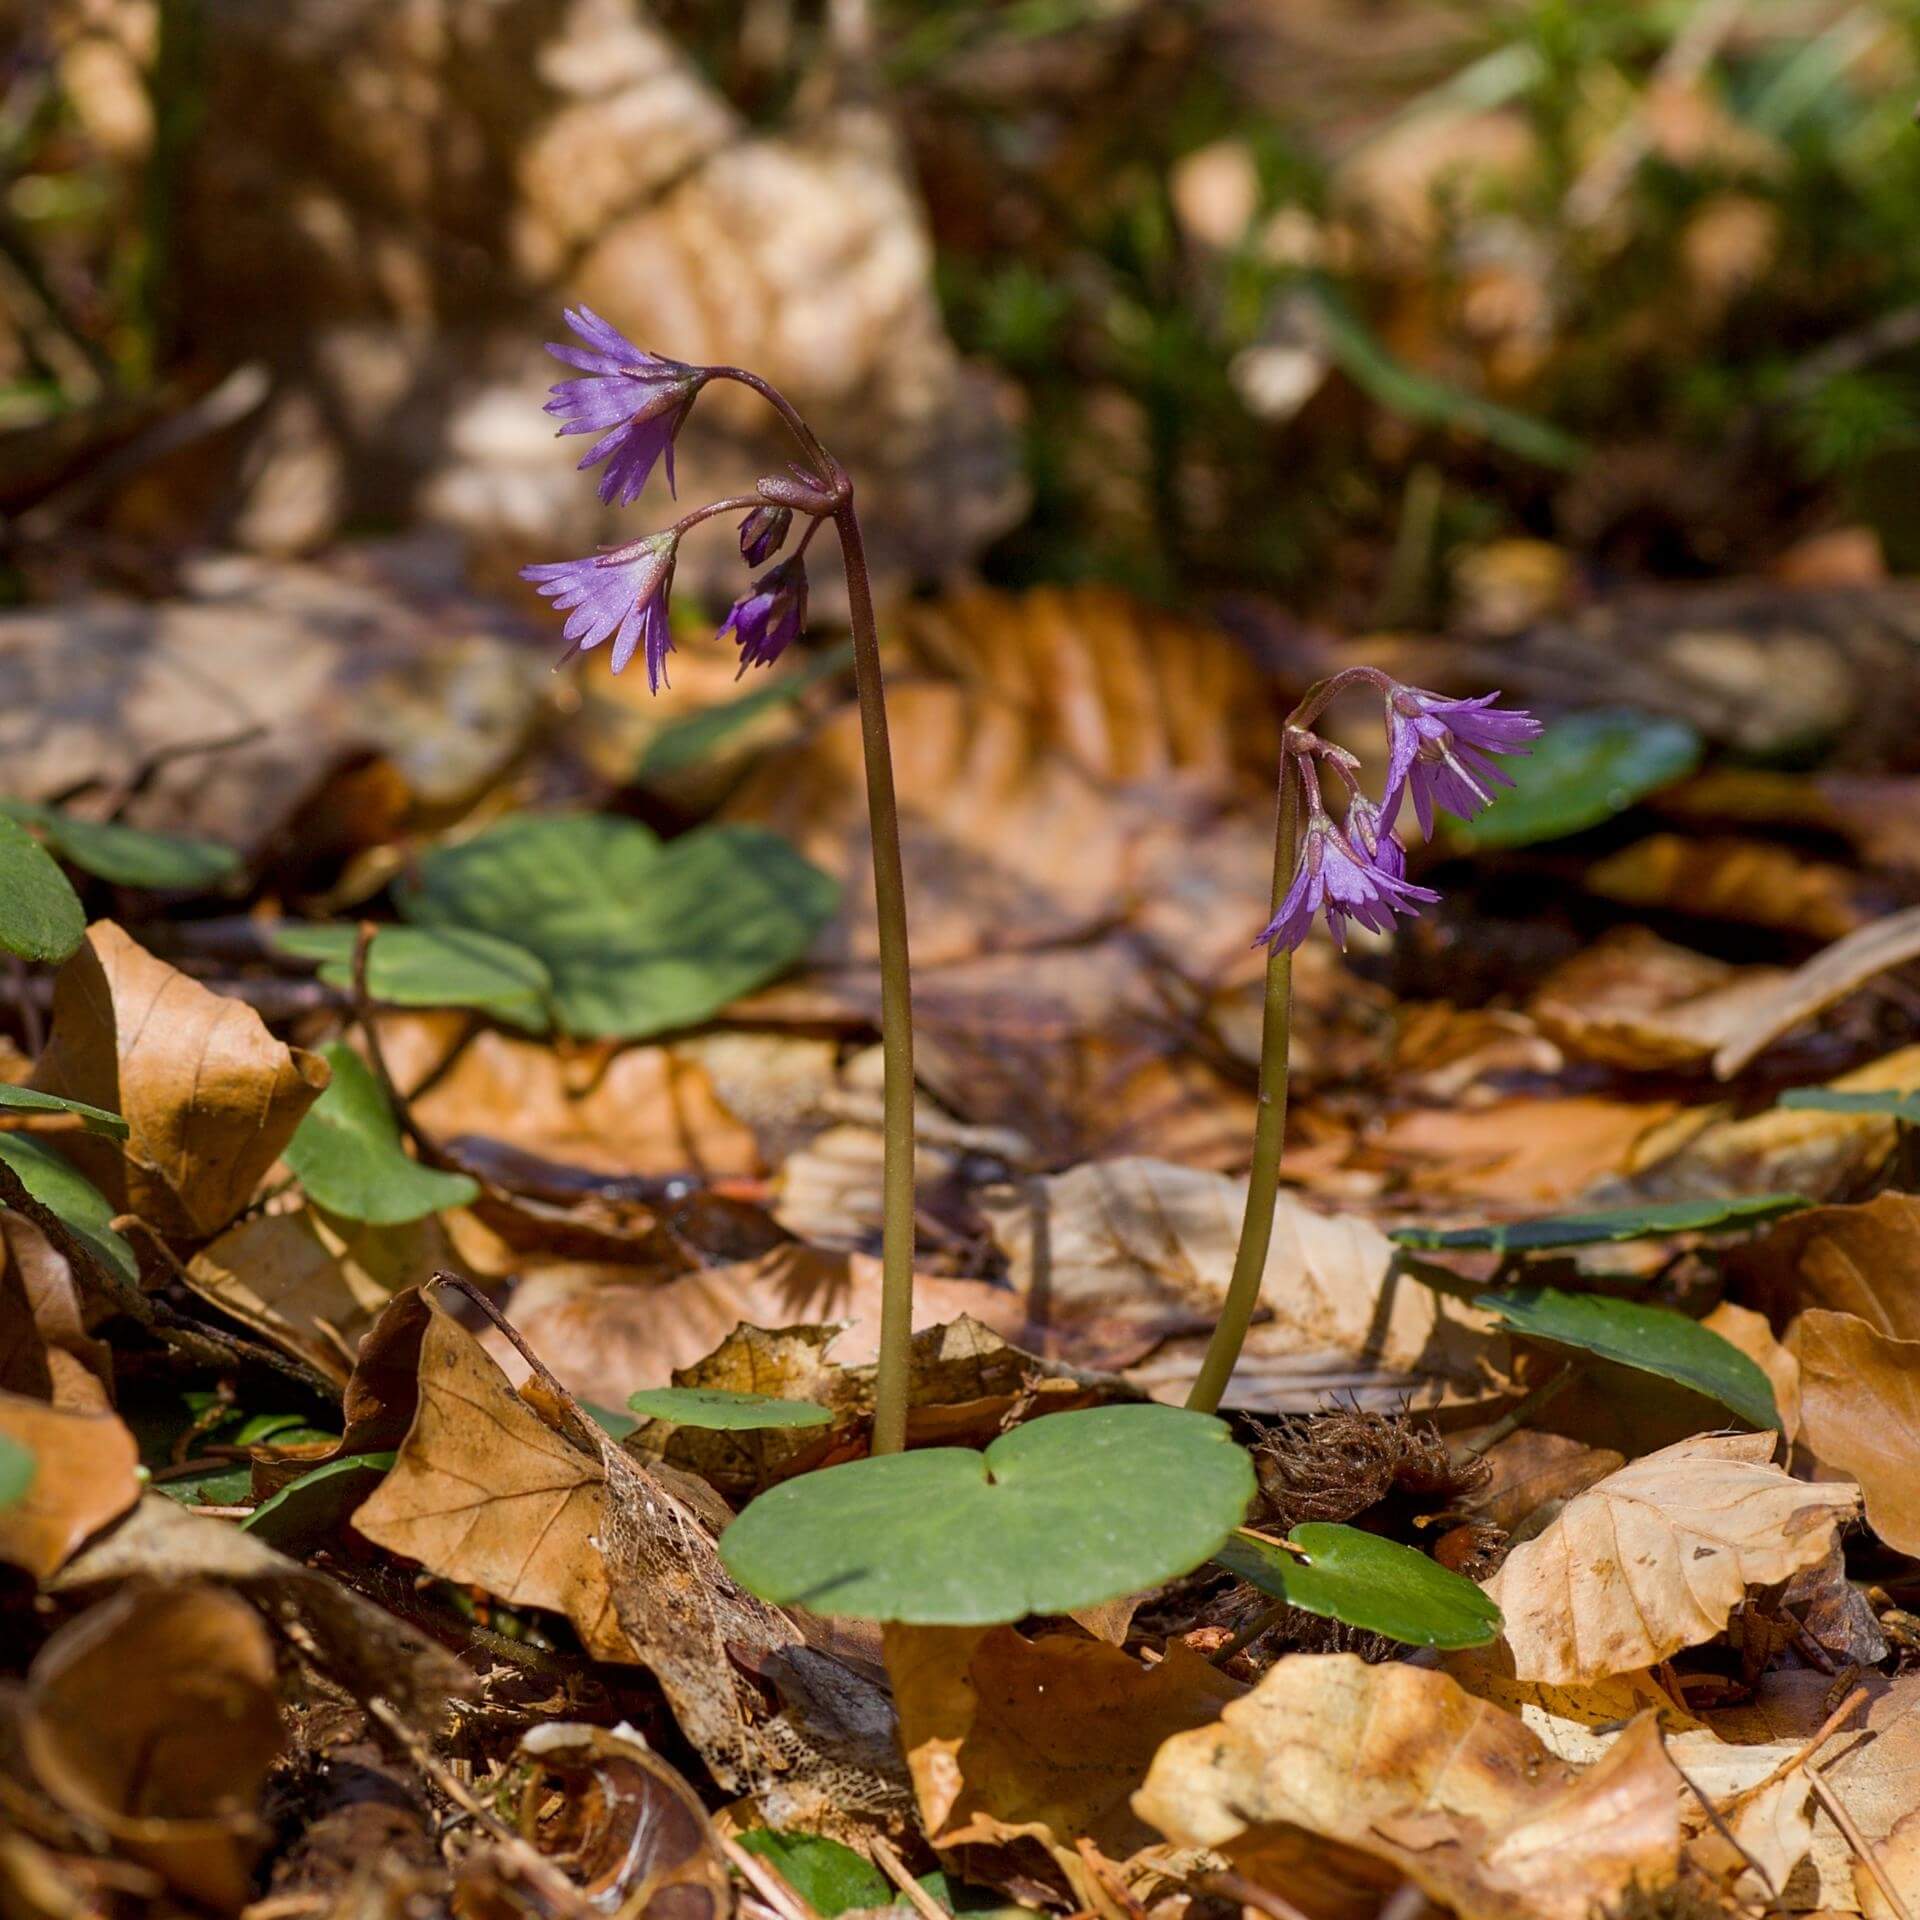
pixel 1438 754
pixel 637 403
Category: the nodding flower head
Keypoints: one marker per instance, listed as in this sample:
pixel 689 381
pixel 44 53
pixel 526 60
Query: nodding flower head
pixel 767 618
pixel 622 594
pixel 763 533
pixel 1356 871
pixel 1438 750
pixel 635 401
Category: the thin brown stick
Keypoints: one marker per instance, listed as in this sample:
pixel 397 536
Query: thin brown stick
pixel 1861 1845
pixel 1828 1728
pixel 766 1880
pixel 924 1904
pixel 365 1017
pixel 1724 1831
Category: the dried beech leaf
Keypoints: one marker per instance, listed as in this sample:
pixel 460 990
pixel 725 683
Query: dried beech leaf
pixel 1862 1260
pixel 1655 1557
pixel 1860 1414
pixel 84 1476
pixel 155 1716
pixel 208 1093
pixel 1121 1256
pixel 1009 1738
pixel 1405 1766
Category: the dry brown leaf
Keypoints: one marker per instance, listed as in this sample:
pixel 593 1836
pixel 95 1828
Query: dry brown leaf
pixel 1860 1415
pixel 209 1095
pixel 1532 1469
pixel 1655 1557
pixel 47 1348
pixel 606 1335
pixel 630 1832
pixel 1403 1765
pixel 1009 1738
pixel 85 1475
pixel 314 1285
pixel 1122 1256
pixel 1635 1001
pixel 1862 1260
pixel 1753 882
pixel 485 1490
pixel 1898 1858
pixel 1128 691
pixel 1774 1836
pixel 1530 1154
pixel 1830 975
pixel 1743 1328
pixel 154 1715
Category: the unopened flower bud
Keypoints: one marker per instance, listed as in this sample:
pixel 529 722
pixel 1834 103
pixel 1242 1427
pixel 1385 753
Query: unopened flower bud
pixel 763 533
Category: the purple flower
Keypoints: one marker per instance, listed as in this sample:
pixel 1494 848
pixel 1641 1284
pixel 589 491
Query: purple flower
pixel 770 616
pixel 1356 872
pixel 1438 749
pixel 763 533
pixel 635 401
pixel 622 593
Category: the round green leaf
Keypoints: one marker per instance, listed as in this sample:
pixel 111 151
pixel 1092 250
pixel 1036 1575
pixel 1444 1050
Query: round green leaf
pixel 94 1119
pixel 724 1410
pixel 1894 1105
pixel 1654 1339
pixel 432 967
pixel 62 1189
pixel 1368 1582
pixel 40 914
pixel 17 1468
pixel 1582 771
pixel 347 1153
pixel 1064 1512
pixel 1603 1225
pixel 639 936
pixel 830 1878
pixel 315 1505
pixel 132 857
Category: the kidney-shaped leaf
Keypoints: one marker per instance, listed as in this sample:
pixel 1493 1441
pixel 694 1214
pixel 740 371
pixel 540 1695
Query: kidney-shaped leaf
pixel 348 1156
pixel 40 914
pixel 31 1100
pixel 432 967
pixel 1653 1339
pixel 1604 1224
pixel 1582 771
pixel 1064 1512
pixel 1379 1585
pixel 640 936
pixel 725 1410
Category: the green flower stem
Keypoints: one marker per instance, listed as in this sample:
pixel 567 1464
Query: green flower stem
pixel 1549 1390
pixel 896 1002
pixel 1269 1131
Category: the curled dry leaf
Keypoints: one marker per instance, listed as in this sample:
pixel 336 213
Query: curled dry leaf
pixel 1862 1260
pixel 209 1095
pixel 154 1715
pixel 1009 1738
pixel 1121 1257
pixel 626 1827
pixel 85 1475
pixel 1773 1833
pixel 47 1348
pixel 1743 1328
pixel 1860 1415
pixel 1753 882
pixel 486 1491
pixel 1404 1766
pixel 312 1284
pixel 1655 1557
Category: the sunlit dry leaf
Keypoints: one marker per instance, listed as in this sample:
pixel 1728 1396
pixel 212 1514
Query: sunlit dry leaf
pixel 1532 1469
pixel 1119 1257
pixel 1008 1737
pixel 1402 1765
pixel 210 1096
pixel 1862 1260
pixel 1860 1414
pixel 313 1285
pixel 1830 975
pixel 607 1336
pixel 1636 1001
pixel 1743 1328
pixel 1773 1832
pixel 1753 882
pixel 84 1477
pixel 1128 691
pixel 155 1716
pixel 1655 1557
pixel 1898 1858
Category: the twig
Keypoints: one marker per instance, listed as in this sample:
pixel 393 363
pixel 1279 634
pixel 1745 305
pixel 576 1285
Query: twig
pixel 766 1881
pixel 545 1875
pixel 1724 1831
pixel 1549 1390
pixel 1828 1728
pixel 364 1016
pixel 1862 1847
pixel 895 1869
